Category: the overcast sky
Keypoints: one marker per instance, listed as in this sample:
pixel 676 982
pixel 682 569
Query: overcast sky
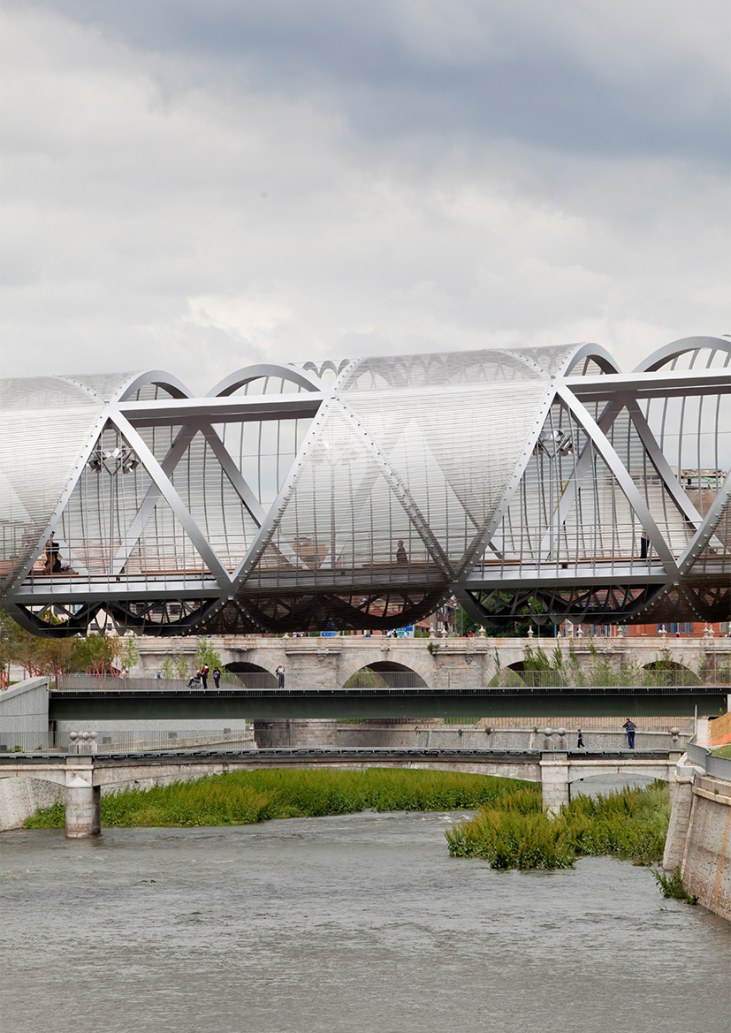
pixel 195 185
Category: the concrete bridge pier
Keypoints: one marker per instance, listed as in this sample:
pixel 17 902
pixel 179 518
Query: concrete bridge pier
pixel 306 733
pixel 554 781
pixel 83 800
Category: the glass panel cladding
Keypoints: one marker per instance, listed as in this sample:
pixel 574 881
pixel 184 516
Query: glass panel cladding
pixel 453 448
pixel 44 423
pixel 105 499
pixel 523 478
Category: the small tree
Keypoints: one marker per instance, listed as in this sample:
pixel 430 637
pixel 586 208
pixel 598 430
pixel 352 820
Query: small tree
pixel 167 668
pixel 95 654
pixel 206 654
pixel 129 652
pixel 181 666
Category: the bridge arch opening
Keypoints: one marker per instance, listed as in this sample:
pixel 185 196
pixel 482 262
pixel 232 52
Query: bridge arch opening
pixel 670 672
pixel 511 675
pixel 385 674
pixel 252 676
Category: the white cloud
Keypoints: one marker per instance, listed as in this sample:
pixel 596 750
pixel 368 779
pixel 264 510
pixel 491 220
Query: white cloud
pixel 202 204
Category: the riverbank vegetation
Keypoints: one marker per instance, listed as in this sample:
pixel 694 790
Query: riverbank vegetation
pixel 672 886
pixel 630 824
pixel 246 797
pixel 509 829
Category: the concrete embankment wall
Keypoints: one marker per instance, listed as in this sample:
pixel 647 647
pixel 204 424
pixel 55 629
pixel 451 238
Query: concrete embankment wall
pixel 699 836
pixel 706 867
pixel 21 797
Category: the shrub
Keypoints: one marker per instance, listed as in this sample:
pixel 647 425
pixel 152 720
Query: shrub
pixel 672 886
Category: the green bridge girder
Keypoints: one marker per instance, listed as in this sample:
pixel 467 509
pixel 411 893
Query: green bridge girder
pixel 363 704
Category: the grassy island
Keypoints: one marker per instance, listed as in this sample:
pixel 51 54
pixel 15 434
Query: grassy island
pixel 509 829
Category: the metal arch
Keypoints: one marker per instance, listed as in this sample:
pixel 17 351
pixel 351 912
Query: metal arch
pixel 293 374
pixel 168 464
pixel 469 372
pixel 590 351
pixel 346 372
pixel 269 523
pixel 328 366
pixel 674 350
pixel 171 383
pixel 605 421
pixel 706 531
pixel 173 499
pixel 628 486
pixel 657 458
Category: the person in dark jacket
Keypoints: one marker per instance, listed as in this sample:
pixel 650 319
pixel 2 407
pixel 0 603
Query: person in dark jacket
pixel 629 727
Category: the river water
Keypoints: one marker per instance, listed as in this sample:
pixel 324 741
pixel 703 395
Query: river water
pixel 354 924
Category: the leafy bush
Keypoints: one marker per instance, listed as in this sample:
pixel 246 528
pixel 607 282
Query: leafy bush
pixel 672 886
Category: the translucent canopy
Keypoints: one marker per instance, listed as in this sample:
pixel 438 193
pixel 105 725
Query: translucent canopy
pixel 363 494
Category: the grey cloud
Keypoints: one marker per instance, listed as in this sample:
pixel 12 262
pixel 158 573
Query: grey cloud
pixel 525 71
pixel 386 188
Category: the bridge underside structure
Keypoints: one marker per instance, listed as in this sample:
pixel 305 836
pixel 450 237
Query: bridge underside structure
pixel 531 482
pixel 88 706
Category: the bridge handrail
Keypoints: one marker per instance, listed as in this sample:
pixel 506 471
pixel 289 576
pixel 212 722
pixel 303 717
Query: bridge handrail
pixel 330 752
pixel 69 683
pixel 717 767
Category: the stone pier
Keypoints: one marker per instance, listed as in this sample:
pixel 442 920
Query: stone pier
pixel 555 781
pixel 83 800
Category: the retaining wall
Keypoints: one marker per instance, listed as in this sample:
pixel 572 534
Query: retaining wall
pixel 21 797
pixel 699 836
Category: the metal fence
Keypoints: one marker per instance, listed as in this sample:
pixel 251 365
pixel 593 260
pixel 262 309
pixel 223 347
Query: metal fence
pixel 256 680
pixel 368 678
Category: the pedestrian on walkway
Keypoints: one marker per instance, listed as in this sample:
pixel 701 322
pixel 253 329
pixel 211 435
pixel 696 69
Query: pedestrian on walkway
pixel 216 676
pixel 280 675
pixel 204 675
pixel 629 727
pixel 579 740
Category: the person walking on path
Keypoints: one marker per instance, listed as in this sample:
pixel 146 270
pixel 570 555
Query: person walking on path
pixel 629 727
pixel 280 675
pixel 204 675
pixel 216 677
pixel 579 740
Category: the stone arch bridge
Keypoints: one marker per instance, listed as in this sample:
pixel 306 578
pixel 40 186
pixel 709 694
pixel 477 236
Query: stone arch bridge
pixel 329 662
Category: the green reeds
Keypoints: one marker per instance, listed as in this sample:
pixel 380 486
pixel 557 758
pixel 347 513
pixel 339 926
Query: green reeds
pixel 246 797
pixel 631 824
pixel 672 886
pixel 509 830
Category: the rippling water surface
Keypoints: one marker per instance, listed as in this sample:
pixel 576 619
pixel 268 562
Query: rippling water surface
pixel 358 923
